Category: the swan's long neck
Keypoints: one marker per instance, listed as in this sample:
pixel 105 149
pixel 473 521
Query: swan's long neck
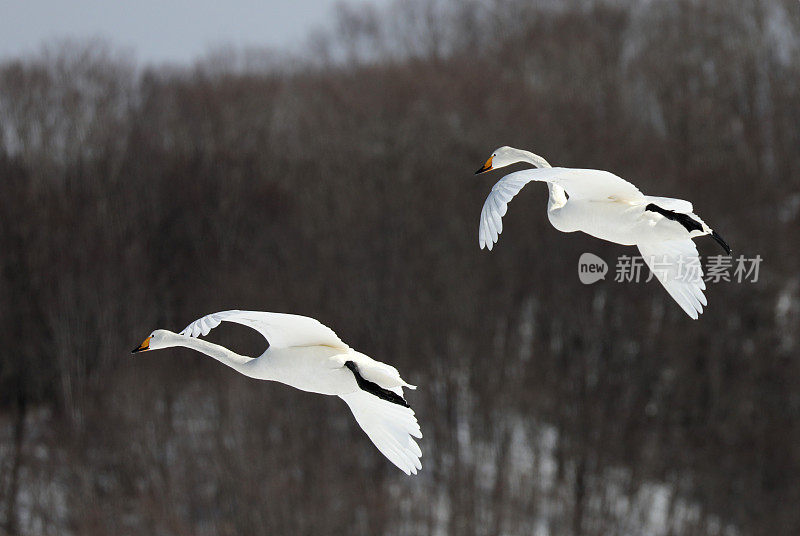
pixel 220 353
pixel 535 159
pixel 558 197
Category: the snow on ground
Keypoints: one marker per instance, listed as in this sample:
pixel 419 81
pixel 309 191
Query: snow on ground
pixel 536 495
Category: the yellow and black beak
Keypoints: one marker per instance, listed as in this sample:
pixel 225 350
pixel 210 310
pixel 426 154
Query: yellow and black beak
pixel 142 347
pixel 486 167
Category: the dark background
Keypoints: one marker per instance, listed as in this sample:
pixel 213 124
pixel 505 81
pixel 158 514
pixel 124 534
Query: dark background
pixel 339 185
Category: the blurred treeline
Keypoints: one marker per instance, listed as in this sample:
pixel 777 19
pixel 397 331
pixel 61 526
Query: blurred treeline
pixel 339 185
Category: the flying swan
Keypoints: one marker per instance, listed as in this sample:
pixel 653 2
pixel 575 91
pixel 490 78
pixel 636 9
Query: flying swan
pixel 608 207
pixel 309 356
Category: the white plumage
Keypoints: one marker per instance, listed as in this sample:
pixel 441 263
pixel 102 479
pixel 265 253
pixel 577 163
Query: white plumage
pixel 606 206
pixel 309 356
pixel 280 329
pixel 676 265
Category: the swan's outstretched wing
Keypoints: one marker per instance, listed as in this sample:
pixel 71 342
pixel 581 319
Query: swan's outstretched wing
pixel 676 265
pixel 496 205
pixel 589 184
pixel 280 329
pixel 391 427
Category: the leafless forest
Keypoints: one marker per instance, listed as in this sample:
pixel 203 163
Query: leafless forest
pixel 339 184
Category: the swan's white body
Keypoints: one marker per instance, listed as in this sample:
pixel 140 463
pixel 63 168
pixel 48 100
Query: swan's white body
pixel 608 207
pixel 307 355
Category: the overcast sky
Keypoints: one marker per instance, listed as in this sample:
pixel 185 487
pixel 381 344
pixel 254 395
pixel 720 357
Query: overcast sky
pixel 162 30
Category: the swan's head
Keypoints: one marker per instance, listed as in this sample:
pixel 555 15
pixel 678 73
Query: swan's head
pixel 505 156
pixel 160 338
pixel 501 157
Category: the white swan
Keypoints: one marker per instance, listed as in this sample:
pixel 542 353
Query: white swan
pixel 606 206
pixel 309 356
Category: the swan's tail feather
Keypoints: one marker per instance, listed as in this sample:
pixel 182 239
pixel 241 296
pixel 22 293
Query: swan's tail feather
pixel 374 388
pixel 691 222
pixel 390 427
pixel 686 220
